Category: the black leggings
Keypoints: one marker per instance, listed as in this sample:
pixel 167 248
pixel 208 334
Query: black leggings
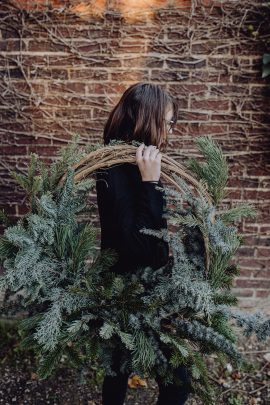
pixel 114 388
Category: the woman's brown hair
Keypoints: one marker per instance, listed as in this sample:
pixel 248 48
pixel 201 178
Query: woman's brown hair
pixel 140 115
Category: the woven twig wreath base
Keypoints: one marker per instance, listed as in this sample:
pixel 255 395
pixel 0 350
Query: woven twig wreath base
pixel 110 155
pixel 125 153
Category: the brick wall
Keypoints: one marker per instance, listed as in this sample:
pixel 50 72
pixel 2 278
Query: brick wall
pixel 62 70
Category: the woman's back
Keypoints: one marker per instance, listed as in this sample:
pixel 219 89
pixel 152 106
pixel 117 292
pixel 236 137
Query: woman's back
pixel 126 204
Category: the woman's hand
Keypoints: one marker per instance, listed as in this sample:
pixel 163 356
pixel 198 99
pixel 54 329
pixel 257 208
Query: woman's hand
pixel 148 158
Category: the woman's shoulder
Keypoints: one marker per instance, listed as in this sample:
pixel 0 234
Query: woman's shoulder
pixel 121 173
pixel 121 169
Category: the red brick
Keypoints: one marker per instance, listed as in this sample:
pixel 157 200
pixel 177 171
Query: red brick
pixel 42 150
pixel 250 263
pixel 234 194
pixel 23 87
pixel 265 252
pixel 243 182
pixel 99 113
pixel 179 32
pixel 246 77
pixel 262 293
pixel 73 113
pixel 169 75
pixel 14 72
pixel 187 88
pixel 209 77
pixel 206 47
pixel 186 62
pixel 254 104
pixel 89 74
pixel 264 273
pixel 265 229
pixel 245 273
pixel 94 61
pixel 221 61
pixel 124 76
pixel 129 47
pixel 172 17
pixel 243 292
pixel 232 91
pixel 258 90
pixel 214 105
pixel 104 88
pixel 30 140
pixel 47 73
pixel 193 116
pixel 22 209
pixel 143 61
pixel 245 251
pixel 39 45
pixel 257 195
pixel 205 129
pixel 7 115
pixel 236 48
pixel 76 87
pixel 245 283
pixel 11 45
pixel 13 150
pixel 92 31
pixel 251 240
pixel 246 303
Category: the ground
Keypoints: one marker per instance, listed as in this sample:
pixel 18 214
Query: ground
pixel 19 383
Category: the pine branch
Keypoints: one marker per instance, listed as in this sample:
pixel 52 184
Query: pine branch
pixel 214 172
pixel 236 213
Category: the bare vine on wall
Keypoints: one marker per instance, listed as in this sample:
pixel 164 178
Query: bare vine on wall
pixel 226 22
pixel 191 45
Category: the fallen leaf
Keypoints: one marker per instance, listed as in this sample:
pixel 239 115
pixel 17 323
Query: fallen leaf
pixel 236 375
pixel 136 381
pixel 252 401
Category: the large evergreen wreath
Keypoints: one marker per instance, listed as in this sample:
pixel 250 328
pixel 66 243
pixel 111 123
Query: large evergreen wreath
pixel 79 308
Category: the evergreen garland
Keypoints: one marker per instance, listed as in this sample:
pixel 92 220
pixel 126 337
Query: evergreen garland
pixel 161 318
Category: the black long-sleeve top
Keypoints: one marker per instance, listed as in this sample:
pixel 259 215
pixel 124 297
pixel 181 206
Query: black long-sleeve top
pixel 127 204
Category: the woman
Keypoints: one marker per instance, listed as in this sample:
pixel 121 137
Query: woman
pixel 128 200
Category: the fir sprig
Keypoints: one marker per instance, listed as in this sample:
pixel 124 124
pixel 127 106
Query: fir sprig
pixel 214 171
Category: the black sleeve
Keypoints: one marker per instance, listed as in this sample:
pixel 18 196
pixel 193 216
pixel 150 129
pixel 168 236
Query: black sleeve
pixel 133 212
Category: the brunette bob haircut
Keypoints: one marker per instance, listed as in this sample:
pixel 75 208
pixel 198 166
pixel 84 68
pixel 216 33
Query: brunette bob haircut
pixel 140 116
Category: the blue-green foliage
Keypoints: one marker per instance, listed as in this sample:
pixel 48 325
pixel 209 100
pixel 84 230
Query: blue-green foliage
pixel 159 318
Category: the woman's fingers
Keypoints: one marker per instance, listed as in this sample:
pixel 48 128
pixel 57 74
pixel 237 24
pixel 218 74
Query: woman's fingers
pixel 148 151
pixel 154 153
pixel 159 157
pixel 139 152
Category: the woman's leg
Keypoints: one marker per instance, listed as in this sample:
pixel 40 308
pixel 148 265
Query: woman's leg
pixel 114 388
pixel 172 394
